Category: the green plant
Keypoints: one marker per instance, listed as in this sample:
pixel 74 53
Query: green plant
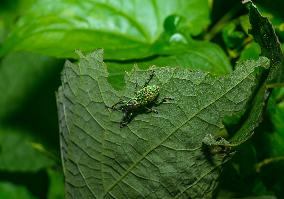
pixel 220 136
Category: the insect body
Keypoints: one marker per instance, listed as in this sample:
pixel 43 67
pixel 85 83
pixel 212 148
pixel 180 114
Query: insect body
pixel 145 96
pixel 144 100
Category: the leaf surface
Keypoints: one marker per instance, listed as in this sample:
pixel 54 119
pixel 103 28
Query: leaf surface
pixel 126 29
pixel 195 55
pixel 11 191
pixel 56 186
pixel 155 155
pixel 21 72
pixel 17 153
pixel 264 34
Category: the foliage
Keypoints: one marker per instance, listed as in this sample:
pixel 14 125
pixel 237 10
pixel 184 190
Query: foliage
pixel 8 190
pixel 103 160
pixel 221 136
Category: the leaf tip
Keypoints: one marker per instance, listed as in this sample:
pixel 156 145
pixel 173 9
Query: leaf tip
pixel 79 53
pixel 98 55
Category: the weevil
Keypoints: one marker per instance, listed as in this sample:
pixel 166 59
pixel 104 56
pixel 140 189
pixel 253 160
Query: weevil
pixel 142 102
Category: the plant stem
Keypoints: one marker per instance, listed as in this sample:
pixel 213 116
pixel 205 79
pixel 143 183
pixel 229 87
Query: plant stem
pixel 275 85
pixel 267 161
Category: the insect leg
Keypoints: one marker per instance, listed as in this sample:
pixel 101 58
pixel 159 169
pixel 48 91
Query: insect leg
pixel 149 110
pixel 150 78
pixel 136 86
pixel 164 100
pixel 114 107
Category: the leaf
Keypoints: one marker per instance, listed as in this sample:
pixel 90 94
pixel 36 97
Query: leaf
pixel 56 186
pixel 18 154
pixel 10 11
pixel 264 34
pixel 155 155
pixel 204 56
pixel 21 72
pixel 235 35
pixel 126 29
pixel 251 51
pixel 232 37
pixel 11 191
pixel 275 139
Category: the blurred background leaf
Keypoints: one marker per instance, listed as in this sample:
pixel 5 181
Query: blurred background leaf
pixel 21 73
pixel 18 154
pixel 56 184
pixel 125 29
pixel 194 55
pixel 11 191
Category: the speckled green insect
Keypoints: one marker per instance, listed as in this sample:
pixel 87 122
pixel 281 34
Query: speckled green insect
pixel 144 100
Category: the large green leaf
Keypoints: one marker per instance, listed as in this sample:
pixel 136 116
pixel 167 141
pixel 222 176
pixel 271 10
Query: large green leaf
pixel 204 56
pixel 11 191
pixel 18 154
pixel 155 155
pixel 264 34
pixel 126 29
pixel 56 186
pixel 10 11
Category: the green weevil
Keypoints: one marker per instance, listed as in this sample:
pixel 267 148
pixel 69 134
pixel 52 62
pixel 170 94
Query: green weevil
pixel 143 101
